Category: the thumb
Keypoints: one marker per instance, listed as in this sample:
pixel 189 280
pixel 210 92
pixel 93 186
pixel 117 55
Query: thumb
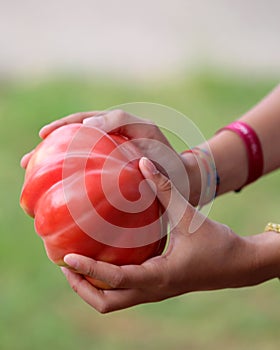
pixel 173 202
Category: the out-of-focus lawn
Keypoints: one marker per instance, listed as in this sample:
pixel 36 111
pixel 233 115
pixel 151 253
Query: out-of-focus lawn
pixel 38 310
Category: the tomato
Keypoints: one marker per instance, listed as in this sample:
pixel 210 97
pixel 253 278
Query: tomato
pixel 87 196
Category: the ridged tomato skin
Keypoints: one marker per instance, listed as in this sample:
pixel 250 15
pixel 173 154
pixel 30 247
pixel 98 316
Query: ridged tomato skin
pixel 64 192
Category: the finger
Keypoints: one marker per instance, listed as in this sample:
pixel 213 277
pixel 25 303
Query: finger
pixel 103 301
pixel 119 121
pixel 118 277
pixel 72 118
pixel 176 206
pixel 116 121
pixel 25 159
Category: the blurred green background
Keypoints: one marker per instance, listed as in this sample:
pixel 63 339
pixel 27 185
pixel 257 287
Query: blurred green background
pixel 38 310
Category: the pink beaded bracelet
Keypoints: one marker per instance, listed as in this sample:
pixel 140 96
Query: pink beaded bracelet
pixel 253 147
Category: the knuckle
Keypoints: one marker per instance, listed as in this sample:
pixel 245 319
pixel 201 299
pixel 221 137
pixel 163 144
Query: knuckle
pixel 75 287
pixel 119 113
pixel 118 279
pixel 151 123
pixel 152 130
pixel 165 184
pixel 91 271
pixel 118 117
pixel 103 308
pixel 160 276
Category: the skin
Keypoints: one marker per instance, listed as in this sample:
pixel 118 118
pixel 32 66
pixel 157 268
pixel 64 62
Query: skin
pixel 246 261
pixel 182 269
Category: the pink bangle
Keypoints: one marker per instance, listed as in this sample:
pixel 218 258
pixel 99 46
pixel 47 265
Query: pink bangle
pixel 253 147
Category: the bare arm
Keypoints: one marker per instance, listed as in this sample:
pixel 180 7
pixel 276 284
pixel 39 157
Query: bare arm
pixel 213 257
pixel 227 148
pixel 230 153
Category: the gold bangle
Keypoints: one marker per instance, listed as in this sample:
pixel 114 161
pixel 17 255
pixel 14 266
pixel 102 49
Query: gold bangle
pixel 272 227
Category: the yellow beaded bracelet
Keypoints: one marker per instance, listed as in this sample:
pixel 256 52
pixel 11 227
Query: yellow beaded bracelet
pixel 272 227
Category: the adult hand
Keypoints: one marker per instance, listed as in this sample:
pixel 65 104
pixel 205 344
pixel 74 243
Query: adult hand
pixel 115 121
pixel 147 137
pixel 212 257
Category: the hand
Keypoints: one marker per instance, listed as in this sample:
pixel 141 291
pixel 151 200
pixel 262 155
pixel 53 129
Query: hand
pixel 147 137
pixel 115 121
pixel 212 257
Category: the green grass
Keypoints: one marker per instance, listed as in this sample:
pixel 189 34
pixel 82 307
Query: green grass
pixel 38 310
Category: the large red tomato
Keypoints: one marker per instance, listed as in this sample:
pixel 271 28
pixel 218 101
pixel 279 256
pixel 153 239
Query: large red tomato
pixel 86 193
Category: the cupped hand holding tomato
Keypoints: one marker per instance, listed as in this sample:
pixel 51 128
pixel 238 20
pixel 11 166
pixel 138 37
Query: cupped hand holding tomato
pixel 213 257
pixel 86 193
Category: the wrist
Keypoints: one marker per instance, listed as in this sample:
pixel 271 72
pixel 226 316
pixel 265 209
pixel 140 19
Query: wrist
pixel 194 177
pixel 267 255
pixel 230 158
pixel 254 260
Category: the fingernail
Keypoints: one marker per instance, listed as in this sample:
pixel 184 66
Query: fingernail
pixel 42 132
pixel 24 161
pixel 71 261
pixel 98 122
pixel 149 166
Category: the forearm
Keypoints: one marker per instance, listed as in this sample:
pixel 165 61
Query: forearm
pixel 229 150
pixel 230 153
